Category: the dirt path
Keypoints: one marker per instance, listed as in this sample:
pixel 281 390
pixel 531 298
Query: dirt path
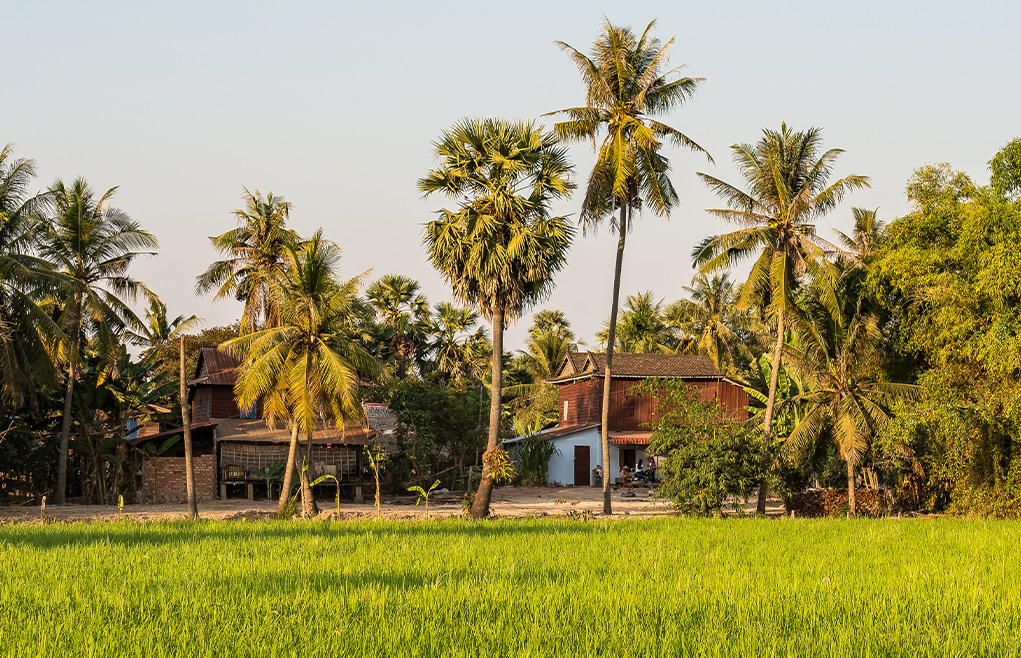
pixel 508 502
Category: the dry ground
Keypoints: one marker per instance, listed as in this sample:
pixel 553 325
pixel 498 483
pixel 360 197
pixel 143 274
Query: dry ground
pixel 508 502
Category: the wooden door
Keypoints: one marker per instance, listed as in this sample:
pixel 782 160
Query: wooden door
pixel 581 466
pixel 627 458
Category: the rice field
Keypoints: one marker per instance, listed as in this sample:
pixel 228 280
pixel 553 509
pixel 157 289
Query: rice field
pixel 655 587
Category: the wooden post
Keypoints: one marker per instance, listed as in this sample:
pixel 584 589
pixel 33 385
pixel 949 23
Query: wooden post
pixel 189 463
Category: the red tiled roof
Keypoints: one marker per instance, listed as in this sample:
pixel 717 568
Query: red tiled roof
pixel 638 366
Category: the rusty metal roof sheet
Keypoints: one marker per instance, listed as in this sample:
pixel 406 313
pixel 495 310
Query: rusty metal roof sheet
pixel 239 430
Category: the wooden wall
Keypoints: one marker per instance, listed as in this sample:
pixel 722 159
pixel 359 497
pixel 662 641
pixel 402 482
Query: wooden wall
pixel 632 412
pixel 215 402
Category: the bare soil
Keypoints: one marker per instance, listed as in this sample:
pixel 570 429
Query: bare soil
pixel 508 502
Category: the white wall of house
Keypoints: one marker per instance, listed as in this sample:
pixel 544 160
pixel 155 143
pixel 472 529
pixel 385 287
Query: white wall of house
pixel 561 466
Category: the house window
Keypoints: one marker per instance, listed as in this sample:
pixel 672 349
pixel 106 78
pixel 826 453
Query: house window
pixel 567 405
pixel 207 405
pixel 629 406
pixel 252 412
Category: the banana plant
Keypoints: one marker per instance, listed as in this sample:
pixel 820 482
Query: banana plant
pixel 321 479
pixel 424 495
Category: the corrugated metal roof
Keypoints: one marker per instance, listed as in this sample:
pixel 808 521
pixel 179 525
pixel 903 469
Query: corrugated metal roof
pixel 555 432
pixel 215 368
pixel 639 366
pixel 168 433
pixel 237 430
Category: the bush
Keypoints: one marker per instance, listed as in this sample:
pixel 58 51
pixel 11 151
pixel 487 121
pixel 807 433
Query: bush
pixel 833 502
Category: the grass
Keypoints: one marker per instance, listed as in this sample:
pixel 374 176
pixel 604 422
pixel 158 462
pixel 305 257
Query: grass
pixel 658 587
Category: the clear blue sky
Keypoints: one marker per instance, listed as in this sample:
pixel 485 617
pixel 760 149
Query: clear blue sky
pixel 334 105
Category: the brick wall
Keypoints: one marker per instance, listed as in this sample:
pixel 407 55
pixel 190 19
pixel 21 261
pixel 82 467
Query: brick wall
pixel 163 479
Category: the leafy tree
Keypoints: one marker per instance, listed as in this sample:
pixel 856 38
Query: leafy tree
pixel 708 456
pixel 626 88
pixel 1005 169
pixel 157 332
pixel 91 245
pixel 254 258
pixel 301 368
pixel 788 188
pixel 404 312
pixel 501 247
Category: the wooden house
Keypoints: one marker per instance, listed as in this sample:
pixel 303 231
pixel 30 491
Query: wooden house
pixel 579 381
pixel 234 446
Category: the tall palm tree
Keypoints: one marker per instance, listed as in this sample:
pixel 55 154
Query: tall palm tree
pixel 549 341
pixel 627 85
pixel 255 256
pixel 156 330
pixel 403 311
pixel 460 348
pixel 304 369
pixel 641 329
pixel 787 176
pixel 91 245
pixel 501 247
pixel 24 279
pixel 709 322
pixel 842 355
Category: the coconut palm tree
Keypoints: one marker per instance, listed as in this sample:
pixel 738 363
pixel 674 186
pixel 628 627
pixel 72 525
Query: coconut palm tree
pixel 156 330
pixel 788 188
pixel 404 313
pixel 501 247
pixel 641 329
pixel 24 279
pixel 864 240
pixel 709 322
pixel 627 85
pixel 304 369
pixel 255 256
pixel 460 348
pixel 841 357
pixel 91 245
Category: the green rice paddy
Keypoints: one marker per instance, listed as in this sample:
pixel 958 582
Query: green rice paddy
pixel 657 587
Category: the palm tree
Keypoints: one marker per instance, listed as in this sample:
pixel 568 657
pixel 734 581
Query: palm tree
pixel 626 87
pixel 708 321
pixel 460 349
pixel 23 280
pixel 641 329
pixel 550 340
pixel 864 240
pixel 501 247
pixel 91 245
pixel 842 354
pixel 157 331
pixel 787 174
pixel 255 255
pixel 304 368
pixel 404 312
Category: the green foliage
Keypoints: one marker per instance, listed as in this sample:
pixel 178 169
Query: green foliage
pixel 1005 170
pixel 532 455
pixel 423 494
pixel 708 456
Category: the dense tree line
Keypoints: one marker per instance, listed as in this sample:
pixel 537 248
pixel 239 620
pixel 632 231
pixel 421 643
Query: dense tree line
pixel 888 355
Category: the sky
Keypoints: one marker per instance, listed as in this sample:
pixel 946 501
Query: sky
pixel 334 105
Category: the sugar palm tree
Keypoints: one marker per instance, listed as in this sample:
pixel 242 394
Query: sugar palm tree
pixel 841 356
pixel 627 85
pixel 460 348
pixel 304 369
pixel 787 174
pixel 24 279
pixel 403 311
pixel 500 247
pixel 255 255
pixel 91 245
pixel 709 321
pixel 550 340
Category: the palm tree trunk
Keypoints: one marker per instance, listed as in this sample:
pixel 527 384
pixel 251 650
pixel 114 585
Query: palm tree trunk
pixel 292 451
pixel 850 488
pixel 189 462
pixel 65 436
pixel 767 421
pixel 610 338
pixel 309 509
pixel 480 506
